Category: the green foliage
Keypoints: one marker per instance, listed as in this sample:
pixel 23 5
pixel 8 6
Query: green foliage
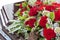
pixel 24 4
pixel 36 24
pixel 48 1
pixel 17 13
pixel 28 8
pixel 41 38
pixel 26 35
pixel 17 4
pixel 22 17
pixel 36 28
pixel 48 25
pixel 25 13
pixel 15 26
pixel 52 16
pixel 28 28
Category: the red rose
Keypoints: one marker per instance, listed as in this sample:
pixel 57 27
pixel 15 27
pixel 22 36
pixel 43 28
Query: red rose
pixel 38 0
pixel 54 3
pixel 29 6
pixel 20 6
pixel 57 5
pixel 22 10
pixel 49 34
pixel 38 3
pixel 57 15
pixel 43 21
pixel 30 22
pixel 41 8
pixel 33 11
pixel 50 7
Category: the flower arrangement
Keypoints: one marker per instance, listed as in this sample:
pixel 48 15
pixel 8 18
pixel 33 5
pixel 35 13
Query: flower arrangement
pixel 39 17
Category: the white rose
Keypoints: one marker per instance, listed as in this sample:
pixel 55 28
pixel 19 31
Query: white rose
pixel 57 30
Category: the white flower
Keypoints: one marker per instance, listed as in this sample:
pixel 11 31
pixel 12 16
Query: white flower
pixel 56 25
pixel 57 30
pixel 41 32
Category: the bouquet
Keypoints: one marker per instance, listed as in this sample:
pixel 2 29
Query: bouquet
pixel 37 20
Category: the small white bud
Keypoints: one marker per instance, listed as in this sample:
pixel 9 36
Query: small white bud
pixel 56 25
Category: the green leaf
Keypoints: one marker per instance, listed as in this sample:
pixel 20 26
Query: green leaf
pixel 24 4
pixel 25 13
pixel 22 17
pixel 28 8
pixel 17 4
pixel 52 16
pixel 56 38
pixel 48 1
pixel 17 13
pixel 45 2
pixel 53 38
pixel 36 24
pixel 36 27
pixel 15 26
pixel 42 38
pixel 12 30
pixel 51 0
pixel 28 28
pixel 48 25
pixel 26 35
